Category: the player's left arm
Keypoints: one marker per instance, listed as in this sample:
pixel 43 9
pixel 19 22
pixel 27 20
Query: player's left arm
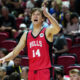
pixel 54 28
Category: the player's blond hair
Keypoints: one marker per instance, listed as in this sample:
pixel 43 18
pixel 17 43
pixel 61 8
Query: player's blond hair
pixel 37 9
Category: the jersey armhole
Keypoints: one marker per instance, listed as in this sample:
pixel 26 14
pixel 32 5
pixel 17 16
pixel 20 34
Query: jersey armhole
pixel 26 36
pixel 26 43
pixel 47 39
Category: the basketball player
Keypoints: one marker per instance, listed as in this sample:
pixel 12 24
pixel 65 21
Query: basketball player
pixel 37 42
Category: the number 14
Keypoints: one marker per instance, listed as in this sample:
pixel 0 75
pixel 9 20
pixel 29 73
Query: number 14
pixel 36 53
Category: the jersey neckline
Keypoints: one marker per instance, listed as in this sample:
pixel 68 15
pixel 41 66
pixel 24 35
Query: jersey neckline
pixel 37 34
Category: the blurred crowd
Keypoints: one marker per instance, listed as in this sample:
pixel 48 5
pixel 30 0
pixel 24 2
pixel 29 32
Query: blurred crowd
pixel 15 19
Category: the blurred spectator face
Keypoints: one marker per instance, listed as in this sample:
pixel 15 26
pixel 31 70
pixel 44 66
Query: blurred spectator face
pixel 57 7
pixel 67 16
pixel 37 17
pixel 53 3
pixel 27 12
pixel 24 73
pixel 75 20
pixel 5 12
pixel 6 77
pixel 2 72
pixel 64 9
pixel 74 76
pixel 59 77
pixel 15 76
pixel 65 6
pixel 17 61
pixel 1 54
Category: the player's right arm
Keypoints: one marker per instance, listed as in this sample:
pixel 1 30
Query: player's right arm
pixel 16 50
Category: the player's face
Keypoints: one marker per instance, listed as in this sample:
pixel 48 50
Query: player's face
pixel 74 76
pixel 37 17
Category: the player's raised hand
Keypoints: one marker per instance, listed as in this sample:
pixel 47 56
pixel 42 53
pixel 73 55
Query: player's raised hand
pixel 45 11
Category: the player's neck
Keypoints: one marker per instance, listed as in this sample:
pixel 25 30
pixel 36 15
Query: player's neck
pixel 36 30
pixel 37 27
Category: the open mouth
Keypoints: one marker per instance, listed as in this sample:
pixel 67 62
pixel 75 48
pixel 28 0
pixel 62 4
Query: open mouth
pixel 35 20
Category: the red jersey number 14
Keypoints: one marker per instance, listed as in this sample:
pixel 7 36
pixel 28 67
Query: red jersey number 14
pixel 36 53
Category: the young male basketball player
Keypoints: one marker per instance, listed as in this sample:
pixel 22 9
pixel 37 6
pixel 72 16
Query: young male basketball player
pixel 37 42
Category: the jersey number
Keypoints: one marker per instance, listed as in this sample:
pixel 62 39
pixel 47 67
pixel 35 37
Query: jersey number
pixel 36 53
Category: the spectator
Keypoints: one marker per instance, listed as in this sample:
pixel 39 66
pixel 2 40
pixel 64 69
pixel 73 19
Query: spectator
pixel 72 5
pixel 24 73
pixel 3 3
pixel 38 3
pixel 16 67
pixel 30 4
pixel 74 74
pixel 73 25
pixel 15 76
pixel 6 77
pixel 15 6
pixel 65 8
pixel 27 15
pixel 7 21
pixel 55 8
pixel 59 74
pixel 4 52
pixel 2 72
pixel 23 29
pixel 66 20
pixel 60 45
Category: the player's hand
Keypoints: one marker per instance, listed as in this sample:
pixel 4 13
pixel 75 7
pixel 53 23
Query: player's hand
pixel 45 11
pixel 2 60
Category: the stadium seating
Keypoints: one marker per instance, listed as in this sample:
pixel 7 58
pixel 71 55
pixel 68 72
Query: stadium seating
pixel 69 42
pixel 72 67
pixel 8 44
pixel 77 40
pixel 15 35
pixel 24 61
pixel 3 36
pixel 76 50
pixel 22 52
pixel 66 61
pixel 19 21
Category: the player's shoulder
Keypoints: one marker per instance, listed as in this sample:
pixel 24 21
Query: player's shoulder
pixel 47 29
pixel 25 34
